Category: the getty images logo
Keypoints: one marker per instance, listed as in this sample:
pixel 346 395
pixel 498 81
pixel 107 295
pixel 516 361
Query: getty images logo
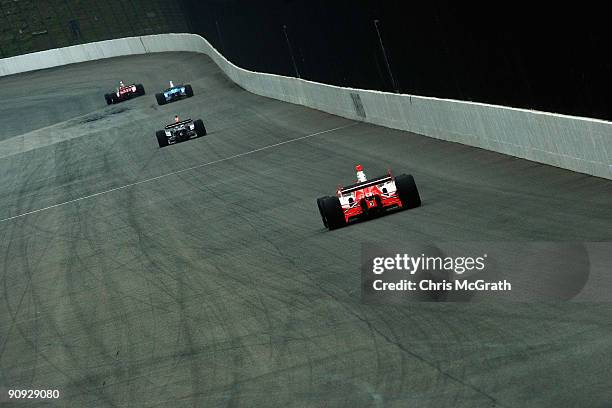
pixel 412 264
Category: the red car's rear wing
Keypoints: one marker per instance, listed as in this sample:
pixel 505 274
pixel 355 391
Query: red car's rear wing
pixel 127 88
pixel 369 183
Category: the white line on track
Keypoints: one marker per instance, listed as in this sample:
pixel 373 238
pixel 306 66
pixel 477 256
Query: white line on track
pixel 176 172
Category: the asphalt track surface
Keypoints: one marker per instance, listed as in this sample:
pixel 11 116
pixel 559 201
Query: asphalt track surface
pixel 200 275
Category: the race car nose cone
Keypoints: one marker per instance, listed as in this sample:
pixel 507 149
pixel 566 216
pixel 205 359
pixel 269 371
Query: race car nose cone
pixel 359 167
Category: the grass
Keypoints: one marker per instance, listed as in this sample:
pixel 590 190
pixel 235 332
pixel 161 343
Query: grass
pixel 31 25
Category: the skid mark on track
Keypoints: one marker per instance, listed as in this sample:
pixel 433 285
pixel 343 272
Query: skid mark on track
pixel 103 114
pixel 235 156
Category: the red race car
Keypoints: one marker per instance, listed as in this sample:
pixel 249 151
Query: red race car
pixel 368 198
pixel 124 92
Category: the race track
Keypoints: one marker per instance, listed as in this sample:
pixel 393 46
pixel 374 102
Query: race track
pixel 200 275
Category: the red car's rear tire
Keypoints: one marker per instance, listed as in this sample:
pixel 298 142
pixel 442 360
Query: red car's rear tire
pixel 333 213
pixel 322 210
pixel 407 191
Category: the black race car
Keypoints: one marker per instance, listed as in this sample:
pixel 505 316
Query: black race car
pixel 180 131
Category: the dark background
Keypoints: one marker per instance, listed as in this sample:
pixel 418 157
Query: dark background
pixel 554 58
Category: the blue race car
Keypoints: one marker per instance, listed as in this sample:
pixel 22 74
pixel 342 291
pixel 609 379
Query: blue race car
pixel 174 93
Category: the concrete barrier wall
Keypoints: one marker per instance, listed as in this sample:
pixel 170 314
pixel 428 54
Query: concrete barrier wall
pixel 579 144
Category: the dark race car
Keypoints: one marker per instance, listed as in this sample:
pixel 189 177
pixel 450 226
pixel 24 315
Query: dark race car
pixel 124 92
pixel 180 131
pixel 368 198
pixel 174 93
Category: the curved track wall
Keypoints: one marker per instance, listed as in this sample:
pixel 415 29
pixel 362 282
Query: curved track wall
pixel 579 144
